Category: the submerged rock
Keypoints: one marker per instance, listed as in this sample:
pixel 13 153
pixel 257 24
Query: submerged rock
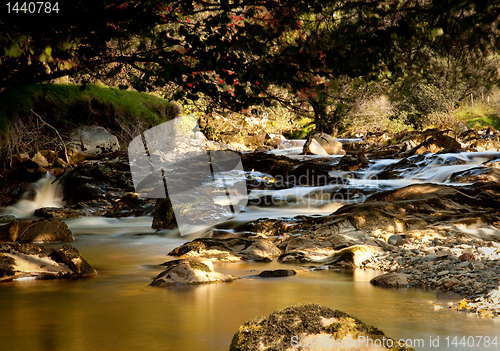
pixel 31 260
pixel 309 327
pixel 36 230
pixel 277 273
pixel 229 250
pixel 190 271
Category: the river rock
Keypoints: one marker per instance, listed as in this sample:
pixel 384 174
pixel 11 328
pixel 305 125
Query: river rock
pixel 91 142
pixel 62 212
pixel 7 218
pixel 391 280
pixel 103 181
pixel 36 230
pixel 190 271
pixel 229 250
pixel 31 260
pixel 265 227
pixel 352 163
pixel 331 146
pixel 476 175
pixel 268 163
pixel 300 327
pixel 441 143
pixel 352 256
pixel 312 147
pixel 312 174
pixel 277 273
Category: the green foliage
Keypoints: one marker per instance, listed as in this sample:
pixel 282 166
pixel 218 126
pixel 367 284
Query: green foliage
pixel 422 100
pixel 304 129
pixel 64 106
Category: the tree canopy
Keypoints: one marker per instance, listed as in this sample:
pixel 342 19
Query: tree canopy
pixel 238 52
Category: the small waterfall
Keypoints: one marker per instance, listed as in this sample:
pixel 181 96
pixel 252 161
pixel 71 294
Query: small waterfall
pixel 45 192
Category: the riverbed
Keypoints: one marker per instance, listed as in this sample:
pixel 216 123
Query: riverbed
pixel 118 310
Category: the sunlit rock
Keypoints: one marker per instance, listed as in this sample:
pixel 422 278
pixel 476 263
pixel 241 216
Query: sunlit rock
pixel 31 260
pixel 229 250
pixel 36 230
pixel 310 327
pixel 190 271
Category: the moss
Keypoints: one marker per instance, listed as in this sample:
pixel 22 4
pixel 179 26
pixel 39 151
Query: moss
pixel 199 265
pixel 274 332
pixel 195 245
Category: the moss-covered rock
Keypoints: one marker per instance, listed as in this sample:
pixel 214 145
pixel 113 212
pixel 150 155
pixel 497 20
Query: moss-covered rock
pixel 232 249
pixel 190 271
pixel 30 260
pixel 36 230
pixel 291 328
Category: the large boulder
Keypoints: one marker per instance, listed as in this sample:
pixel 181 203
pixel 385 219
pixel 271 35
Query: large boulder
pixel 31 260
pixel 440 143
pixel 36 230
pixel 190 271
pixel 322 144
pixel 91 142
pixel 310 327
pixel 229 250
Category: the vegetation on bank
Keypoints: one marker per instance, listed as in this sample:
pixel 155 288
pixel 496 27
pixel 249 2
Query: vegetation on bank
pixel 65 106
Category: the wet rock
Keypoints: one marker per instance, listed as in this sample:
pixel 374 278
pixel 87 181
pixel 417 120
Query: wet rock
pixel 353 256
pixel 330 145
pixel 303 327
pixel 97 180
pixel 71 257
pixel 268 163
pixel 265 226
pixel 441 143
pixel 61 212
pixel 352 164
pixel 312 174
pixel 190 271
pixel 36 230
pixel 322 144
pixel 228 250
pixel 483 143
pixel 475 175
pixel 294 257
pixel 391 280
pixel 128 205
pixel 312 147
pixel 195 209
pixel 91 142
pixel 7 218
pixel 31 260
pixel 277 273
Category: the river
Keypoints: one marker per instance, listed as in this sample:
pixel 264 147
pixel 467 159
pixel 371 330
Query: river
pixel 118 310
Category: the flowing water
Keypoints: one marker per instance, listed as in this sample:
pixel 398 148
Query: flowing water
pixel 117 310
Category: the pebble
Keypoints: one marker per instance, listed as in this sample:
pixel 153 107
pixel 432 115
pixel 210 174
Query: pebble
pixel 471 270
